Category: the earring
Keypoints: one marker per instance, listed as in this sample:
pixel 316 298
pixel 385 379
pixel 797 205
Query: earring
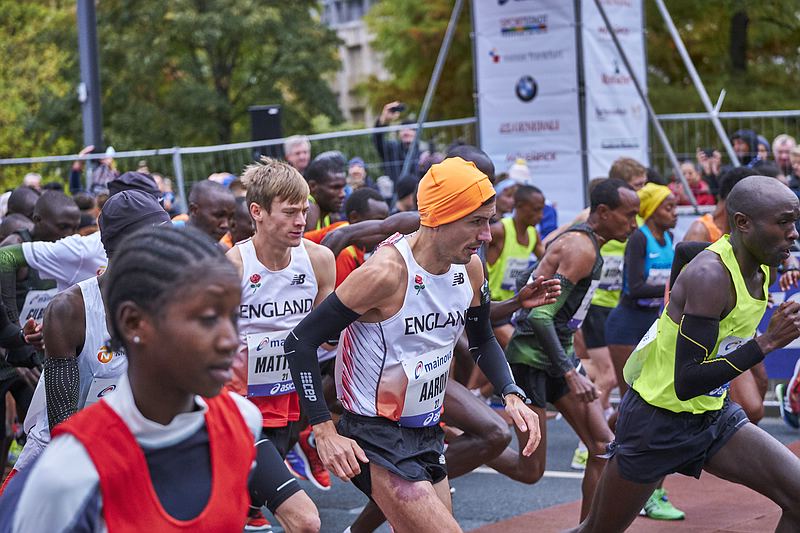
pixel 136 339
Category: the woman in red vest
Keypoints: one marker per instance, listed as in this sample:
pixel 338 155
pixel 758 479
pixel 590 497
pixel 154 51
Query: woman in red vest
pixel 168 449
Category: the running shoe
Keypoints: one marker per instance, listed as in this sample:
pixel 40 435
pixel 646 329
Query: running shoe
pixel 789 417
pixel 579 459
pixel 256 521
pixel 658 507
pixel 295 464
pixel 313 464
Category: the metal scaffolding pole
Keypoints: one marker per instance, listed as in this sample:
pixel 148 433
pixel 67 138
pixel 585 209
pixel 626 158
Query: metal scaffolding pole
pixel 646 101
pixel 713 112
pixel 89 87
pixel 433 83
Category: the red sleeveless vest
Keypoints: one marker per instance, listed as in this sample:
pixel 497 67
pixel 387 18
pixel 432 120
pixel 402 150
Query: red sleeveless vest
pixel 130 503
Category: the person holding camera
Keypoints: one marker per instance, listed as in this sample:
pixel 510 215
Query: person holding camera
pixel 393 151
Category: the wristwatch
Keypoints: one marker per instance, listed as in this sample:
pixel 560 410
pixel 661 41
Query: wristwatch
pixel 512 388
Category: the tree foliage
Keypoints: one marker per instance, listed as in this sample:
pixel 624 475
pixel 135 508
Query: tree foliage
pixel 758 64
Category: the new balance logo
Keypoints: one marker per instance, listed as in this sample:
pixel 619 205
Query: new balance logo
pixel 298 279
pixel 458 279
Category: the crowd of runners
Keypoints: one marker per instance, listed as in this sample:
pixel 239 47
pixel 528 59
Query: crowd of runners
pixel 182 372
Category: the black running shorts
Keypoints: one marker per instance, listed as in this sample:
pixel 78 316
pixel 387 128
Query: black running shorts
pixel 652 442
pixel 414 454
pixel 540 386
pixel 594 326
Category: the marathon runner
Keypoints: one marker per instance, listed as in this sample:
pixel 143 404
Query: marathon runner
pixel 677 416
pixel 176 453
pixel 282 278
pixel 541 351
pixel 327 178
pixel 403 311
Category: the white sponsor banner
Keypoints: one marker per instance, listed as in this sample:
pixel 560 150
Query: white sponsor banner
pixel 528 103
pixel 616 120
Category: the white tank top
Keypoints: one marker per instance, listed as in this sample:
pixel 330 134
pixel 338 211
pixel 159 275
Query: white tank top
pixel 273 303
pixel 99 370
pixel 398 368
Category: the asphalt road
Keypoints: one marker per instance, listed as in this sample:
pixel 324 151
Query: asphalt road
pixel 485 497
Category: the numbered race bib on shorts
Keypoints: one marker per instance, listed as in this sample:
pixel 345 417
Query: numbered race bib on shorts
pixel 267 370
pixel 100 388
pixel 577 319
pixel 35 304
pixel 633 367
pixel 427 380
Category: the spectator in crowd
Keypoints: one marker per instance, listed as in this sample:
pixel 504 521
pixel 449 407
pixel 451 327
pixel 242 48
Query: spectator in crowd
pixel 87 204
pixel 393 152
pixel 710 162
pixel 357 177
pixel 14 223
pixel 504 193
pixel 297 151
pixel 326 176
pixel 237 188
pixel 763 148
pixel 52 186
pixel 794 174
pixel 406 194
pixel 75 181
pixel 105 171
pixel 211 208
pixel 782 147
pixel 700 189
pixel 428 159
pixel 223 178
pixel 745 145
pixel 22 201
pixel 33 180
pixel 654 176
pixel 768 168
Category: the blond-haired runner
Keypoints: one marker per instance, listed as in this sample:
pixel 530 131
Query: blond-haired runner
pixel 401 313
pixel 283 277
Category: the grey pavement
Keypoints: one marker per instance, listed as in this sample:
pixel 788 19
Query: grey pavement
pixel 483 498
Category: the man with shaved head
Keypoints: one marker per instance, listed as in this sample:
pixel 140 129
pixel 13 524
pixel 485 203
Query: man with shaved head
pixel 677 416
pixel 211 208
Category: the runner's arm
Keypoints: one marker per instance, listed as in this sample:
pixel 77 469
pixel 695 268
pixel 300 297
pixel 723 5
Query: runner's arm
pixel 61 362
pixel 542 322
pixel 635 254
pixel 11 260
pixel 370 232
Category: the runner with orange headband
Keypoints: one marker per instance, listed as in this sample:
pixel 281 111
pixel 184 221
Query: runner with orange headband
pixel 401 313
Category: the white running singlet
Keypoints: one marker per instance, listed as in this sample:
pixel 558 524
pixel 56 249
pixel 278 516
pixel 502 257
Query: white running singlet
pixel 398 368
pixel 99 368
pixel 273 303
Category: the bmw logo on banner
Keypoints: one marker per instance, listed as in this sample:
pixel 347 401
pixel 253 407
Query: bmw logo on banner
pixel 526 88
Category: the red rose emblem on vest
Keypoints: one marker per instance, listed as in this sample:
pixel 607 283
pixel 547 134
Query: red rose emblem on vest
pixel 255 278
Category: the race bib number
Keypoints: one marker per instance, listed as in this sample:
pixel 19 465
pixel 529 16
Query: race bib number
pixel 100 388
pixel 35 304
pixel 267 370
pixel 655 277
pixel 633 367
pixel 577 319
pixel 427 380
pixel 514 267
pixel 726 346
pixel 611 276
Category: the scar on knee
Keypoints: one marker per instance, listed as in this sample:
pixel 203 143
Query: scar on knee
pixel 406 491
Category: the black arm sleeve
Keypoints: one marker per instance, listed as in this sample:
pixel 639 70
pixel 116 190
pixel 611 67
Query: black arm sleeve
pixel 684 253
pixel 378 138
pixel 635 253
pixel 541 322
pixel 484 347
pixel 323 323
pixel 63 388
pixel 270 483
pixel 696 371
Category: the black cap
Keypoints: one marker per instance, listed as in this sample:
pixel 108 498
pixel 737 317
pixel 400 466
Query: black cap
pixel 124 213
pixel 406 185
pixel 134 181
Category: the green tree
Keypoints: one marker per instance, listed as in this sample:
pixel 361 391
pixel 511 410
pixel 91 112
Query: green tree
pixel 184 72
pixel 409 33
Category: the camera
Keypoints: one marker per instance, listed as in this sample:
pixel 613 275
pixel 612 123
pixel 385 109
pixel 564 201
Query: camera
pixel 399 108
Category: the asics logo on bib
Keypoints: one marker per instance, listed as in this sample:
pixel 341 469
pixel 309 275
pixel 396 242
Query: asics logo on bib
pixel 281 388
pixel 431 321
pixel 432 419
pixel 273 309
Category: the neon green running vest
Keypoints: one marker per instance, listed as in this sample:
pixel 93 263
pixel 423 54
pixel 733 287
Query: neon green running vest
pixel 513 260
pixel 651 366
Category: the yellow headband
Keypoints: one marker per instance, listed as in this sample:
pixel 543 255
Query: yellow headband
pixel 650 197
